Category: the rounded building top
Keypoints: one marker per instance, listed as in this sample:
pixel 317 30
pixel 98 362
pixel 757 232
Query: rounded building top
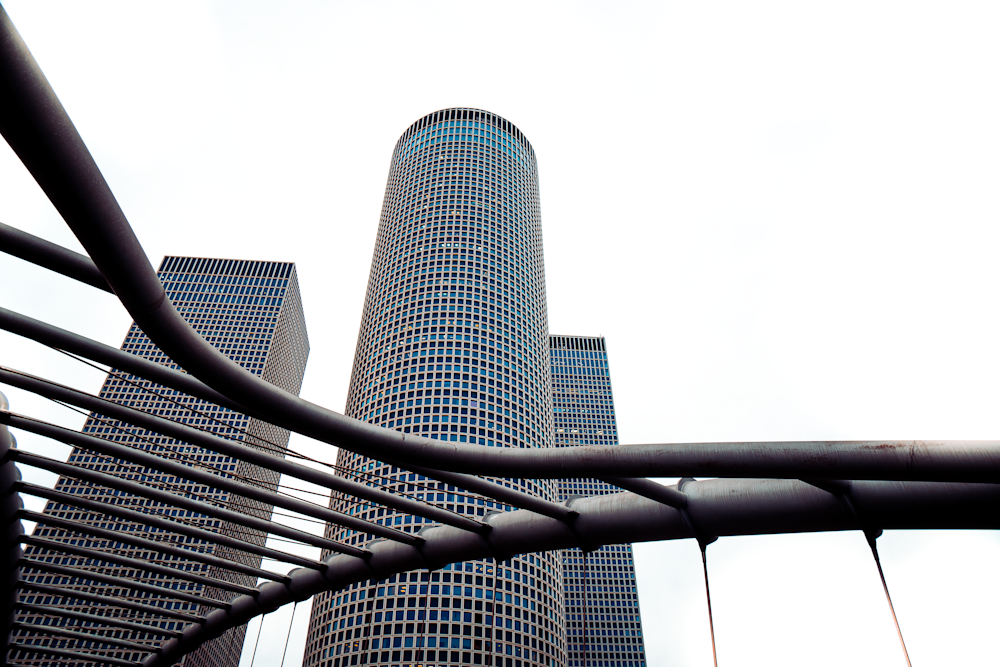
pixel 476 125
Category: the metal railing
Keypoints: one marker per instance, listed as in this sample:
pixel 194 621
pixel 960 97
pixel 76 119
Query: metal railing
pixel 763 488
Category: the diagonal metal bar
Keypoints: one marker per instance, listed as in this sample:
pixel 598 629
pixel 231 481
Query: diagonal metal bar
pixel 94 618
pixel 154 462
pixel 44 630
pixel 494 490
pixel 107 601
pixel 135 564
pixel 647 488
pixel 51 256
pixel 230 448
pixel 74 655
pixel 53 336
pixel 176 500
pixel 120 582
pixel 168 525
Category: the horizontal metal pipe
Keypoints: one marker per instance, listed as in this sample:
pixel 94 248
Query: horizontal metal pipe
pixel 722 507
pixel 73 655
pixel 107 601
pixel 135 564
pixel 53 257
pixel 179 501
pixel 120 582
pixel 155 462
pixel 160 523
pixel 229 448
pixel 94 618
pixel 45 630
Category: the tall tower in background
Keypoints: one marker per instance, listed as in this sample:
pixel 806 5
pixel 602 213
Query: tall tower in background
pixel 602 608
pixel 251 311
pixel 454 346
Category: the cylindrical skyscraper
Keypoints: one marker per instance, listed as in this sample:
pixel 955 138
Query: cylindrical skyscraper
pixel 453 346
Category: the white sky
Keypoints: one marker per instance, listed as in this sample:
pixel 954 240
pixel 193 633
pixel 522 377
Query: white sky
pixel 782 216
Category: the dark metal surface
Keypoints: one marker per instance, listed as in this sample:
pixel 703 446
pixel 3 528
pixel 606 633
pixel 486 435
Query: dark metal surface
pixel 11 531
pixel 211 479
pixel 150 545
pixel 108 601
pixel 45 630
pixel 39 130
pixel 137 564
pixel 647 488
pixel 183 502
pixel 231 448
pixel 722 507
pixel 46 334
pixel 51 256
pixel 97 620
pixel 924 484
pixel 95 658
pixel 120 582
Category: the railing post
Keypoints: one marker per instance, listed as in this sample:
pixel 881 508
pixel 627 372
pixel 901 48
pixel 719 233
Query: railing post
pixel 10 534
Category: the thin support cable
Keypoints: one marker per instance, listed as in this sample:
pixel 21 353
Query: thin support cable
pixel 260 631
pixel 703 542
pixel 708 597
pixel 586 606
pixel 170 399
pixel 275 448
pixel 843 488
pixel 871 537
pixel 290 624
pixel 227 448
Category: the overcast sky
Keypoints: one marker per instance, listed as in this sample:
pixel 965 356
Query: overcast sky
pixel 783 217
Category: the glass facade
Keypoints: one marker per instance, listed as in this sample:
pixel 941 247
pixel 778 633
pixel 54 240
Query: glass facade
pixel 453 346
pixel 603 627
pixel 252 312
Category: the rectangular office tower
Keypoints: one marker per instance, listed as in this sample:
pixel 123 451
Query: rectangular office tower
pixel 251 311
pixel 454 346
pixel 603 627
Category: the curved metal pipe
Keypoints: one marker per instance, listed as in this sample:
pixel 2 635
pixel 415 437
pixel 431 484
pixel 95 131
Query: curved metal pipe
pixel 914 460
pixel 53 257
pixel 40 132
pixel 92 350
pixel 721 507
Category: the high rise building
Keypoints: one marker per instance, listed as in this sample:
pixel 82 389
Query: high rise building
pixel 453 346
pixel 252 311
pixel 603 627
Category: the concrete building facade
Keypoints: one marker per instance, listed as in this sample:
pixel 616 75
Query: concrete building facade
pixel 453 346
pixel 250 310
pixel 603 626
